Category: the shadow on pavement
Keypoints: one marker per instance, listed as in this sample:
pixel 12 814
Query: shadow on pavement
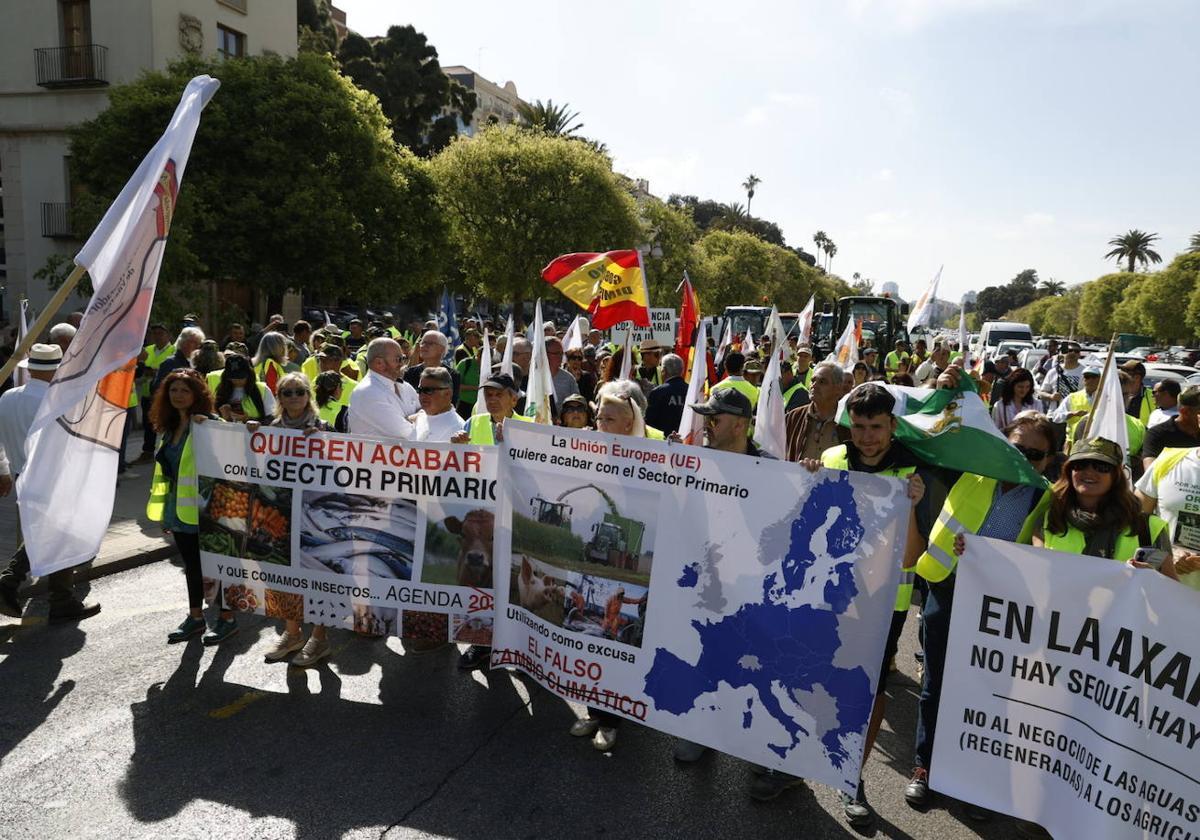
pixel 32 660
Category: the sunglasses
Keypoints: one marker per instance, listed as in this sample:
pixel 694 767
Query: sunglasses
pixel 292 392
pixel 1032 454
pixel 1102 467
pixel 430 389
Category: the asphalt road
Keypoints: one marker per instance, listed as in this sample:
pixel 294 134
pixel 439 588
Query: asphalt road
pixel 106 731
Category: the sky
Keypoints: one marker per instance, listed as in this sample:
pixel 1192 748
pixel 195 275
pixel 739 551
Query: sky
pixel 985 136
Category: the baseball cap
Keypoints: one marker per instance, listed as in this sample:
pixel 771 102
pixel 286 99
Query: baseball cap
pixel 1091 370
pixel 330 350
pixel 500 380
pixel 1134 366
pixel 725 401
pixel 803 348
pixel 1096 449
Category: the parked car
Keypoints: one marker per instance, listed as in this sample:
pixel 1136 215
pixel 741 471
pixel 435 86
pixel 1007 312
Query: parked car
pixel 1156 373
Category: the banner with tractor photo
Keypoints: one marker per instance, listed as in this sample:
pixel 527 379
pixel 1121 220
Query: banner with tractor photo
pixel 738 602
pixel 383 538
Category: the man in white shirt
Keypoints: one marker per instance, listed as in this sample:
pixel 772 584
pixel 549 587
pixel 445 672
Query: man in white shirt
pixel 1062 379
pixel 1170 487
pixel 382 402
pixel 437 420
pixel 931 368
pixel 1166 400
pixel 18 408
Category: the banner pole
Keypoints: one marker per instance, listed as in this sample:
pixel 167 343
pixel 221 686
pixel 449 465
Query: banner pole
pixel 43 320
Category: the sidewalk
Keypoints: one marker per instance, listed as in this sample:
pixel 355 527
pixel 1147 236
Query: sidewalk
pixel 132 540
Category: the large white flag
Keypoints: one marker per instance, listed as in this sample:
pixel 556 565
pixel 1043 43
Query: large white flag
pixel 66 490
pixel 506 362
pixel 540 387
pixel 725 343
pixel 485 370
pixel 768 419
pixel 748 345
pixel 691 424
pixel 1108 410
pixel 573 339
pixel 775 330
pixel 923 308
pixel 804 322
pixel 21 372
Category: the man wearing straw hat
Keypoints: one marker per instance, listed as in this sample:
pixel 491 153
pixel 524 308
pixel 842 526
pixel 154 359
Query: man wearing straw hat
pixel 18 408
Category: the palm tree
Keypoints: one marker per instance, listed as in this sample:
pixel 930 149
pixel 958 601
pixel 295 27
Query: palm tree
pixel 1135 247
pixel 1194 247
pixel 820 239
pixel 550 118
pixel 733 215
pixel 748 185
pixel 830 252
pixel 1053 287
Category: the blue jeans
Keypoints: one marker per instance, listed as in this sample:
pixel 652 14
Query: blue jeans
pixel 936 619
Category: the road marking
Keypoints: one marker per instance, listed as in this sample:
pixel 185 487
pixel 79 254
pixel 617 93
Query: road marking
pixel 237 705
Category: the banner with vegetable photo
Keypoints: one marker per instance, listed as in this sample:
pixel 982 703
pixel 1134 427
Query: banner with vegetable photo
pixel 384 538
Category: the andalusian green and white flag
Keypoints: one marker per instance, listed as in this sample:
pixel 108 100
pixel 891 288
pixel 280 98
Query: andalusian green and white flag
pixel 953 429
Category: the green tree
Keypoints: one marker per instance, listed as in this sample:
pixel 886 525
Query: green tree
pixel 517 199
pixel 550 118
pixel 749 186
pixel 315 29
pixel 673 231
pixel 1160 306
pixel 820 239
pixel 1134 247
pixel 1099 299
pixel 1127 314
pixel 293 181
pixel 421 102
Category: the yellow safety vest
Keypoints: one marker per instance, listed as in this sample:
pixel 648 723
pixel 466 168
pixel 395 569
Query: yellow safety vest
pixel 187 488
pixel 838 458
pixel 261 372
pixel 1166 461
pixel 787 395
pixel 749 390
pixel 654 434
pixel 1076 401
pixel 155 358
pixel 1073 540
pixel 310 369
pixel 1147 406
pixel 480 428
pixel 891 362
pixel 806 380
pixel 248 406
pixel 967 506
pixel 330 412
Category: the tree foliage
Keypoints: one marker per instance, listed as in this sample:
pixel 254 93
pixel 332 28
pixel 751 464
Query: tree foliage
pixel 1099 299
pixel 293 181
pixel 421 102
pixel 550 118
pixel 315 29
pixel 673 231
pixel 713 215
pixel 1134 247
pixel 516 199
pixel 735 267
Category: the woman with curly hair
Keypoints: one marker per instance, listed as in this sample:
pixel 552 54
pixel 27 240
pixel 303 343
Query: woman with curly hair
pixel 182 399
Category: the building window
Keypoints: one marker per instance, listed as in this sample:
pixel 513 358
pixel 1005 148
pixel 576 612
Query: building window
pixel 230 42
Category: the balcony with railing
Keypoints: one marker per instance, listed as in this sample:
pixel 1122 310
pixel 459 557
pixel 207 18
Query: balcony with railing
pixel 56 220
pixel 63 67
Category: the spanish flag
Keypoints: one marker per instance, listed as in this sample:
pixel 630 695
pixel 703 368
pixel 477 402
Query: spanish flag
pixel 610 286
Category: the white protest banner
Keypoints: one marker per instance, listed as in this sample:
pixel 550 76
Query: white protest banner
pixel 1070 694
pixel 738 602
pixel 661 329
pixel 382 537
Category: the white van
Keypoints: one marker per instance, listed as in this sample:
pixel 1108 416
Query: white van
pixel 994 332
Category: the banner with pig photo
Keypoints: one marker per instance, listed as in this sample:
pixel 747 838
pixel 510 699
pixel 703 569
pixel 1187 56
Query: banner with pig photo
pixel 384 538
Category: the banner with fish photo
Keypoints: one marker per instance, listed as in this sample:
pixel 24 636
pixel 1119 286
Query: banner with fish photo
pixel 384 538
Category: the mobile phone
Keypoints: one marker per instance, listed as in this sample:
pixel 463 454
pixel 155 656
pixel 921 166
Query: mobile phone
pixel 1152 557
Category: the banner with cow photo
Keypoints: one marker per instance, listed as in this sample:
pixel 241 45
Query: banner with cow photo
pixel 738 602
pixel 384 538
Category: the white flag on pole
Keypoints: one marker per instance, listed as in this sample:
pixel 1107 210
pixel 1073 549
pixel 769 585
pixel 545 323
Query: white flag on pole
pixel 777 333
pixel 21 372
pixel 1108 416
pixel 66 491
pixel 923 308
pixel 540 387
pixel 845 352
pixel 768 418
pixel 725 344
pixel 963 337
pixel 748 345
pixel 573 339
pixel 328 320
pixel 506 362
pixel 804 322
pixel 691 424
pixel 485 370
pixel 627 356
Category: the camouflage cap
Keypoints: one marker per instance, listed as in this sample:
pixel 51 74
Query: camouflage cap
pixel 1096 449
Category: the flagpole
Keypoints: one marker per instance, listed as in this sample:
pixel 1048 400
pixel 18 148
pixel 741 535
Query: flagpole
pixel 1087 424
pixel 43 321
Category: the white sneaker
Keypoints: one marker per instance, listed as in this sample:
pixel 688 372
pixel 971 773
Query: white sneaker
pixel 314 651
pixel 284 645
pixel 584 727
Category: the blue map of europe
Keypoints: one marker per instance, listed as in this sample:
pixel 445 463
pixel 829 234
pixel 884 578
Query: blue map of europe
pixel 778 644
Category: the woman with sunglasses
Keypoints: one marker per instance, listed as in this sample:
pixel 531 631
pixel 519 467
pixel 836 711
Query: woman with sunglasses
pixel 1015 395
pixel 183 398
pixel 295 409
pixel 980 505
pixel 584 378
pixel 238 393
